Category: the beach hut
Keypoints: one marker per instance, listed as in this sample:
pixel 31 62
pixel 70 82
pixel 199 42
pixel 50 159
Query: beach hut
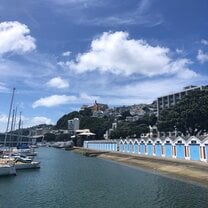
pixel 142 147
pixel 149 147
pixel 115 147
pixel 205 148
pixel 168 147
pixel 136 146
pixel 108 146
pixel 180 147
pixel 102 146
pixel 194 148
pixel 130 146
pixel 111 146
pixel 126 146
pixel 121 146
pixel 158 147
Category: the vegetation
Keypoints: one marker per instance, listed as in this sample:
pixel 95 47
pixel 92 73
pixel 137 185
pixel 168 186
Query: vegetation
pixel 134 129
pixel 96 125
pixel 189 116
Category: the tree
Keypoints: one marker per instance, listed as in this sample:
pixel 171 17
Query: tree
pixel 131 129
pixel 49 137
pixel 96 125
pixel 190 115
pixel 62 123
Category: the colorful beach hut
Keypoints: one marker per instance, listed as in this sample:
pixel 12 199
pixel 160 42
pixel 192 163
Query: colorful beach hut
pixel 180 148
pixel 205 149
pixel 121 146
pixel 149 147
pixel 158 147
pixel 130 146
pixel 168 147
pixel 142 147
pixel 136 146
pixel 194 148
pixel 126 146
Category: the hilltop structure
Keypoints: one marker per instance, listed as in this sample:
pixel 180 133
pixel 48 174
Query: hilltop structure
pixel 97 109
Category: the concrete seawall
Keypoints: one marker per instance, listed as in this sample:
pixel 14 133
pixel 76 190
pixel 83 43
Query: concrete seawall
pixel 182 169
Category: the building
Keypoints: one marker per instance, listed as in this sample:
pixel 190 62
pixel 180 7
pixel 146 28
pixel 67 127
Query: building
pixel 173 98
pixel 183 148
pixel 81 135
pixel 97 109
pixel 73 125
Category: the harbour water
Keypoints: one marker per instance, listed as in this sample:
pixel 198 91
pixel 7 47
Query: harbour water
pixel 69 180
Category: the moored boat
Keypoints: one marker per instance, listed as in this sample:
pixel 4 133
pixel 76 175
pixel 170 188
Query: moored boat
pixel 7 169
pixel 27 165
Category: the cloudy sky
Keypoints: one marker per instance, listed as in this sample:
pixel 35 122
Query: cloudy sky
pixel 60 54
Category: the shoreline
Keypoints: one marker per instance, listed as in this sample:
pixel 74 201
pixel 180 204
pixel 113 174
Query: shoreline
pixel 183 170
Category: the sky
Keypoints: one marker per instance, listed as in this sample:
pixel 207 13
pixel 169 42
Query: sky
pixel 61 54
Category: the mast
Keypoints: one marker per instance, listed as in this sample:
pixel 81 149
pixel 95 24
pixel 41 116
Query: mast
pixel 11 130
pixel 15 119
pixel 21 132
pixel 19 126
pixel 8 121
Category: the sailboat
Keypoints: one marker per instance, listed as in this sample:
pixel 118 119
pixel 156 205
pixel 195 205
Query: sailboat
pixel 11 157
pixel 7 167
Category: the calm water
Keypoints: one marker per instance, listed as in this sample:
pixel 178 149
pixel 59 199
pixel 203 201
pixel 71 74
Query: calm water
pixel 68 180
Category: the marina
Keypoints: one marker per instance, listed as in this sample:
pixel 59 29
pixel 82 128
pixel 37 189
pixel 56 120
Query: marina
pixel 67 180
pixel 104 104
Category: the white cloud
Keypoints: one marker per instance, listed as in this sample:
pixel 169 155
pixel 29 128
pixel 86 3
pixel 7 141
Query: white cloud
pixel 205 42
pixel 58 82
pixel 37 120
pixel 3 87
pixel 15 38
pixel 141 14
pixel 145 91
pixel 85 96
pixel 54 100
pixel 118 54
pixel 179 51
pixel 202 57
pixel 66 53
pixel 27 121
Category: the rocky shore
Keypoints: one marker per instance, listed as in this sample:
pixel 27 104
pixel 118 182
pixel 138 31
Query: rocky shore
pixel 185 170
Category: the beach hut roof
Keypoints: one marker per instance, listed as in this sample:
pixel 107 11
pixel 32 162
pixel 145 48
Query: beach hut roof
pixel 193 138
pixel 136 141
pixel 156 140
pixel 205 140
pixel 180 138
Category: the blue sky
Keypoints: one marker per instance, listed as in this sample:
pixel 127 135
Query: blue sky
pixel 60 54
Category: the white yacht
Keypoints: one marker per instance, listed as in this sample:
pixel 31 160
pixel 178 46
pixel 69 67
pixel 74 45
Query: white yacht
pixel 7 169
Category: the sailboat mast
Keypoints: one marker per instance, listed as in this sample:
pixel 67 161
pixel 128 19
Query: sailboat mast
pixel 15 119
pixel 20 121
pixel 11 130
pixel 8 121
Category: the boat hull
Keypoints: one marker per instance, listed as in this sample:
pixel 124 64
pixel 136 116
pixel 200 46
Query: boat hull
pixel 23 166
pixel 6 170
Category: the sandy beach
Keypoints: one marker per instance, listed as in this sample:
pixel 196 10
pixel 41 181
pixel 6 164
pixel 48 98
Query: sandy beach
pixel 182 169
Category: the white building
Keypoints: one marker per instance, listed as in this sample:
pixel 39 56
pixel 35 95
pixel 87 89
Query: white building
pixel 73 125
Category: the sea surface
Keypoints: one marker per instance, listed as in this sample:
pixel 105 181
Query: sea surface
pixel 69 180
